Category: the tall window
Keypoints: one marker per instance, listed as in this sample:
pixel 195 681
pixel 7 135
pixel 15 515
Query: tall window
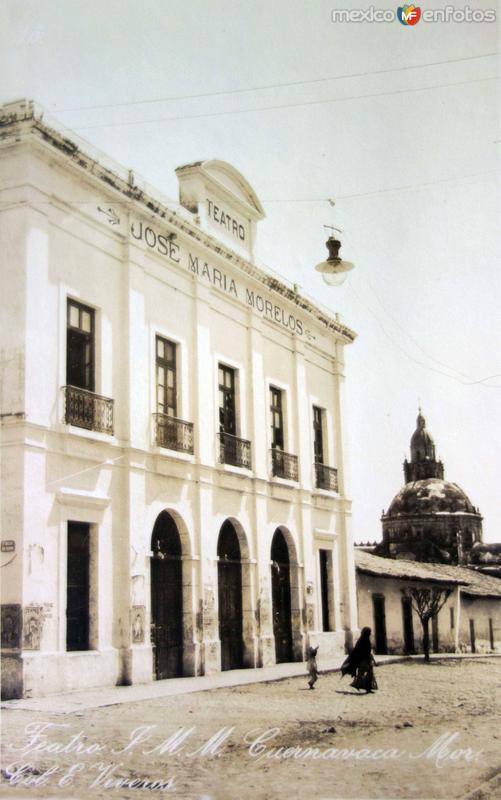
pixel 77 586
pixel 166 377
pixel 277 419
pixel 80 346
pixel 318 438
pixel 227 414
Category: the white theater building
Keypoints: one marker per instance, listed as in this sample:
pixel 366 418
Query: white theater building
pixel 174 499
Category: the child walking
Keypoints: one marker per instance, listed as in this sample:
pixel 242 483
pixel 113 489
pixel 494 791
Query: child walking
pixel 312 666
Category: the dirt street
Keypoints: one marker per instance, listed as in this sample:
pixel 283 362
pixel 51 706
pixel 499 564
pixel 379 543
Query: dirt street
pixel 431 731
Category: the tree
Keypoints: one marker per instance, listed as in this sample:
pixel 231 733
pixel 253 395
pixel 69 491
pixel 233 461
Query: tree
pixel 427 603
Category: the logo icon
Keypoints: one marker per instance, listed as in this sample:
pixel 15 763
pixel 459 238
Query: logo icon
pixel 409 15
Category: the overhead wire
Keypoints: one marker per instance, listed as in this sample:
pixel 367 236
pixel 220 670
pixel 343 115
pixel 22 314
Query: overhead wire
pixel 415 360
pixel 283 85
pixel 469 380
pixel 352 196
pixel 301 104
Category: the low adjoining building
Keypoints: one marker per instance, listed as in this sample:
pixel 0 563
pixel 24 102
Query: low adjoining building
pixel 469 622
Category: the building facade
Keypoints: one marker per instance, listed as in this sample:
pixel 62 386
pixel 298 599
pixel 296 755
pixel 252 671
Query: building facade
pixel 174 494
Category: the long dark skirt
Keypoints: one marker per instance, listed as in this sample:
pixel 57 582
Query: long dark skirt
pixel 365 679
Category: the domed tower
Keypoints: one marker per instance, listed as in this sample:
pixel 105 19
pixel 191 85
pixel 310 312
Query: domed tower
pixel 423 463
pixel 429 519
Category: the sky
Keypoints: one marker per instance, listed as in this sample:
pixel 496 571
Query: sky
pixel 398 124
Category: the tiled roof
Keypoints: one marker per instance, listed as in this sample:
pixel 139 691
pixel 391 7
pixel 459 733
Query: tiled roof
pixel 471 582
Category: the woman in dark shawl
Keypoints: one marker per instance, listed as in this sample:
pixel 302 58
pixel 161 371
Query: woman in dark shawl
pixel 360 662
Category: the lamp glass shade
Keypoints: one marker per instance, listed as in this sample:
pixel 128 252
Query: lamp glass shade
pixel 334 278
pixel 334 271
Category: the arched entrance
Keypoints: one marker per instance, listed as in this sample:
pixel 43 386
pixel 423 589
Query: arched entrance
pixel 229 574
pixel 167 598
pixel 281 597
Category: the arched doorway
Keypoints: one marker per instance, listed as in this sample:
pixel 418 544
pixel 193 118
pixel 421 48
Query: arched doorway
pixel 229 574
pixel 167 598
pixel 281 597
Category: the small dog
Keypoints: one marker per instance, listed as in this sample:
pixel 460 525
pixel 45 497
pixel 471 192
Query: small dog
pixel 312 666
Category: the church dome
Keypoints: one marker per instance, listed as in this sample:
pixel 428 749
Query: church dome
pixel 429 519
pixel 430 496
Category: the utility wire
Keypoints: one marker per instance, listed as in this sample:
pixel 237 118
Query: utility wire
pixel 306 82
pixel 374 193
pixel 421 363
pixel 304 103
pixel 469 380
pixel 404 188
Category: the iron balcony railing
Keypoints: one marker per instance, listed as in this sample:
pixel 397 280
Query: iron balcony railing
pixel 326 477
pixel 284 465
pixel 173 433
pixel 235 451
pixel 86 409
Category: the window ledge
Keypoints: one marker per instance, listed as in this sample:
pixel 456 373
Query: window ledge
pixel 244 472
pixel 284 482
pixel 325 492
pixel 166 452
pixel 85 433
pixel 76 497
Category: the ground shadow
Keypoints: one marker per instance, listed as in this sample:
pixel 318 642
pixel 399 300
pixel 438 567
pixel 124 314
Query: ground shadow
pixel 352 694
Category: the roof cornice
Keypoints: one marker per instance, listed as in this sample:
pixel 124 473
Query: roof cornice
pixel 18 126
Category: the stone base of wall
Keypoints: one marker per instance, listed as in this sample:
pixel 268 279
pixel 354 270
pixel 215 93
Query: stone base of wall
pixel 210 657
pixel 331 646
pixel 267 656
pixel 54 673
pixel 12 676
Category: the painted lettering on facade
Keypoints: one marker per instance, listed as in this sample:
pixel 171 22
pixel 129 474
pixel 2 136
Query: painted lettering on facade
pixel 272 311
pixel 214 275
pixel 225 220
pixel 163 244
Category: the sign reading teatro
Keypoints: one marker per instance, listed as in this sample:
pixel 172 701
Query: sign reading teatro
pixel 223 220
pixel 165 245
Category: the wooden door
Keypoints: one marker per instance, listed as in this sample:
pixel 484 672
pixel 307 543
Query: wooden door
pixel 379 624
pixel 167 598
pixel 408 625
pixel 229 574
pixel 472 636
pixel 77 591
pixel 434 634
pixel 281 598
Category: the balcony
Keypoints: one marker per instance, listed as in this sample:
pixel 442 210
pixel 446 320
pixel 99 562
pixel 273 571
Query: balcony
pixel 173 433
pixel 86 409
pixel 326 478
pixel 284 465
pixel 235 451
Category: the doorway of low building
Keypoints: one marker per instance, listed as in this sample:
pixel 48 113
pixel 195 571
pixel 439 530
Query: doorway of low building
pixel 434 634
pixel 281 598
pixel 229 573
pixel 408 625
pixel 381 646
pixel 167 598
pixel 472 636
